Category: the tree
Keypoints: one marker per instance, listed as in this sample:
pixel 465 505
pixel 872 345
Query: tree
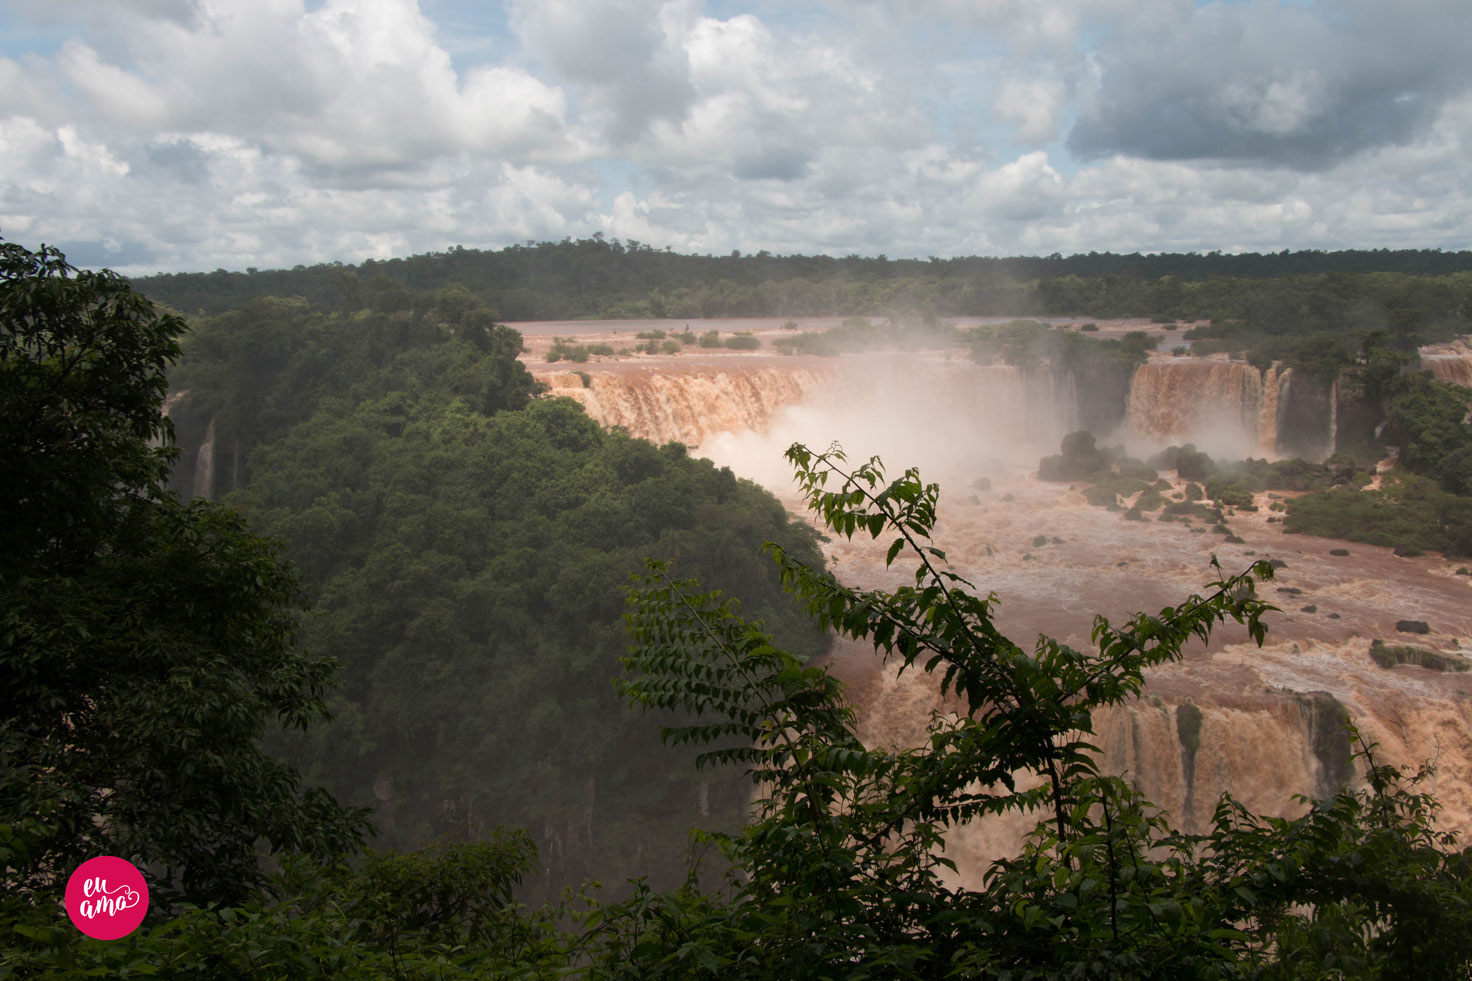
pixel 839 872
pixel 146 644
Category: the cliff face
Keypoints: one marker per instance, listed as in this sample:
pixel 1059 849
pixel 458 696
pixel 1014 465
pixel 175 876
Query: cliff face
pixel 208 465
pixel 1307 416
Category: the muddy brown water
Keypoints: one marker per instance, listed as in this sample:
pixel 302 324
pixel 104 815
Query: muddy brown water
pixel 974 430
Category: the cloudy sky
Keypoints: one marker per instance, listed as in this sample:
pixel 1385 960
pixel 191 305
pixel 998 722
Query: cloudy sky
pixel 154 135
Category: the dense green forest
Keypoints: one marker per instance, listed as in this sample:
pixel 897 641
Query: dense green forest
pixel 599 278
pixel 467 547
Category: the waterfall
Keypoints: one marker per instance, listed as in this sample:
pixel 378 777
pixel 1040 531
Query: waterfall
pixel 912 409
pixel 1451 363
pixel 1334 415
pixel 688 406
pixel 204 465
pixel 1273 381
pixel 1215 404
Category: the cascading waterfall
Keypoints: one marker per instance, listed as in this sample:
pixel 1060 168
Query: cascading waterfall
pixel 687 406
pixel 1273 381
pixel 1333 414
pixel 204 465
pixel 1227 408
pixel 1230 409
pixel 1450 363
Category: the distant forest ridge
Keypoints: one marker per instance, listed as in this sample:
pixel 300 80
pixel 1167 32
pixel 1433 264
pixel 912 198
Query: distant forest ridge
pixel 606 278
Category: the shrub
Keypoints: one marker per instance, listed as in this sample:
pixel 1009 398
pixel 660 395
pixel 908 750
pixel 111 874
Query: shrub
pixel 1136 469
pixel 1388 656
pixel 1232 489
pixel 1079 459
pixel 1149 499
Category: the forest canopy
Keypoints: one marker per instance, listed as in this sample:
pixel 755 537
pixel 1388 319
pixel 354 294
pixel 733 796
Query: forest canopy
pixel 466 546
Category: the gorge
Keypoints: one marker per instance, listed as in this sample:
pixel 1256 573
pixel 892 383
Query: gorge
pixel 1262 724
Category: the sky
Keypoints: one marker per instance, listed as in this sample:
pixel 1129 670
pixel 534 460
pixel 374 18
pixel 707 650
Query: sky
pixel 176 135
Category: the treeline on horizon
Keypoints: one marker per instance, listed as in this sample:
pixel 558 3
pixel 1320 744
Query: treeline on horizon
pixel 602 278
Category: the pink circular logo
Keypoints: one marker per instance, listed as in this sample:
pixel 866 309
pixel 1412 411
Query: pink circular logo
pixel 106 897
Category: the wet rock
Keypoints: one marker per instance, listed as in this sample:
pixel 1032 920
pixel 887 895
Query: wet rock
pixel 1311 608
pixel 1338 551
pixel 1290 590
pixel 1278 564
pixel 1412 626
pixel 1407 551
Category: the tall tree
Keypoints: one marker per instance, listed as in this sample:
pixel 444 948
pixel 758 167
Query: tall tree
pixel 146 644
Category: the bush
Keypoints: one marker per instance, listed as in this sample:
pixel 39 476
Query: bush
pixel 1191 464
pixel 1232 489
pixel 1388 656
pixel 564 349
pixel 1408 512
pixel 1079 459
pixel 1149 499
pixel 1135 469
pixel 743 341
pixel 711 338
